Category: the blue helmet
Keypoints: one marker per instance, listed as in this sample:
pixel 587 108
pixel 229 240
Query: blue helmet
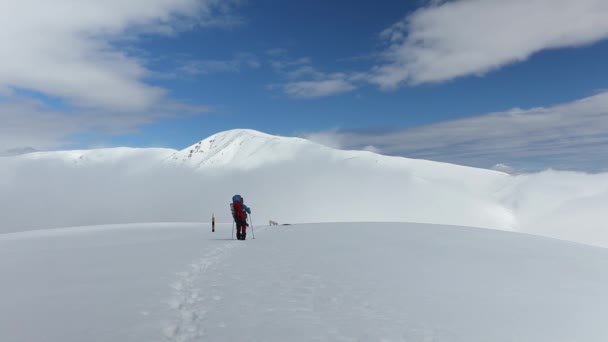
pixel 237 198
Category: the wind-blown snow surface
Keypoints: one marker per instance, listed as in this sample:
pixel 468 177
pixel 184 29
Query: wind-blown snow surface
pixel 321 282
pixel 290 180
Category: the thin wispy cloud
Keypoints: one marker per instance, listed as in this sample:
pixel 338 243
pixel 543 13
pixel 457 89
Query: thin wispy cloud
pixel 451 39
pixel 313 89
pixel 305 71
pixel 276 52
pixel 304 81
pixel 238 63
pixel 284 65
pixel 561 136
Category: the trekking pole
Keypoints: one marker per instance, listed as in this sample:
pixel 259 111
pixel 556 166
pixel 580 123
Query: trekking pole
pixel 233 221
pixel 252 232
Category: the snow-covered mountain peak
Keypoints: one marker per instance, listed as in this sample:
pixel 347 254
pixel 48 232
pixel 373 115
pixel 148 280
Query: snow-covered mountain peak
pixel 241 148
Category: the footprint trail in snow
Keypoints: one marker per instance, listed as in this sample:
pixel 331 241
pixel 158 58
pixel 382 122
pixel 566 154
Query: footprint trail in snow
pixel 193 293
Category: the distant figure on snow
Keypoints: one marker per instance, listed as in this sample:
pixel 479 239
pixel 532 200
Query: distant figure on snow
pixel 240 211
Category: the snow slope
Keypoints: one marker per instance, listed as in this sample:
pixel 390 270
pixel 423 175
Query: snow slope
pixel 318 282
pixel 290 180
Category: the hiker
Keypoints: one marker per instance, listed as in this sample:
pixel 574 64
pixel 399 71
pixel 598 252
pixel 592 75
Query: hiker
pixel 240 211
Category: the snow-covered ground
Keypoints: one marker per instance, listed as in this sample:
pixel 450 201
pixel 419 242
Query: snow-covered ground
pixel 310 282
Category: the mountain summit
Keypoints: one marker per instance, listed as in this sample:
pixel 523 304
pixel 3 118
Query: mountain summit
pixel 243 149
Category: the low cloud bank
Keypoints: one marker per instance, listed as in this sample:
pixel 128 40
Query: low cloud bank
pixel 47 193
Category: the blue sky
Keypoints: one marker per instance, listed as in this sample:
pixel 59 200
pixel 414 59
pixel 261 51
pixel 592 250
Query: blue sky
pixel 477 82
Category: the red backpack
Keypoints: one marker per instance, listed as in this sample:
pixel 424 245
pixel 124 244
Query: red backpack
pixel 239 213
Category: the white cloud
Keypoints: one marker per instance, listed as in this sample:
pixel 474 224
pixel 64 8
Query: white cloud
pixel 447 40
pixel 28 122
pixel 17 151
pixel 450 39
pixel 67 49
pixel 572 135
pixel 80 54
